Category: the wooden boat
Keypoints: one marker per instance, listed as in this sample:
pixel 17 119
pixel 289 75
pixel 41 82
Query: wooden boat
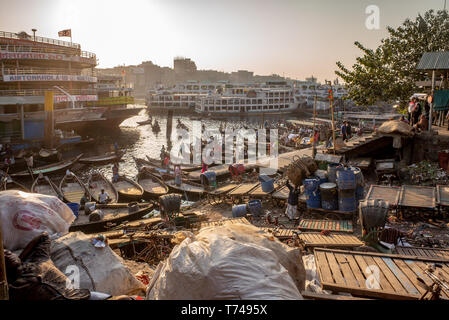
pixel 7 183
pixel 102 159
pixel 73 189
pixel 142 123
pixel 153 186
pixel 50 168
pixel 114 214
pixel 96 182
pixel 220 171
pixel 43 185
pixel 50 155
pixel 158 172
pixel 187 188
pixel 128 189
pixel 184 167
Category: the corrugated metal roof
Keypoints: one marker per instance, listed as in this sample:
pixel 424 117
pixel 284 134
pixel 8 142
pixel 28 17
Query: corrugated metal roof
pixel 434 61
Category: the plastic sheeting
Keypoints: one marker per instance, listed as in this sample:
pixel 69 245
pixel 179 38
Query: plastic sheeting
pixel 235 261
pixel 26 215
pixel 99 269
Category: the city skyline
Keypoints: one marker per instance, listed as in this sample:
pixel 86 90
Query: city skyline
pixel 294 39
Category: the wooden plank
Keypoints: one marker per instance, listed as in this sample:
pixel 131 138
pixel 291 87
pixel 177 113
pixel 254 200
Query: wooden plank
pixel 322 296
pixel 359 274
pixel 400 276
pixel 346 270
pixel 384 282
pixel 323 267
pixel 410 275
pixel 335 269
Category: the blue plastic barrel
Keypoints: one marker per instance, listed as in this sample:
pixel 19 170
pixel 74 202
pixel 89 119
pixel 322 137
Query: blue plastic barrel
pixel 312 191
pixel 74 207
pixel 346 200
pixel 346 179
pixel 209 178
pixel 267 186
pixel 360 190
pixel 332 169
pixel 239 211
pixel 329 196
pixel 255 207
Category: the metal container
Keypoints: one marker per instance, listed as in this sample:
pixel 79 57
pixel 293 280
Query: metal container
pixel 329 196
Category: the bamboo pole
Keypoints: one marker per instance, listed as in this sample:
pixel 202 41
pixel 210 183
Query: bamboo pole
pixel 3 282
pixel 314 128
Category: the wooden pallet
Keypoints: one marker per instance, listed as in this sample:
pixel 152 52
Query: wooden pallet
pixel 417 197
pixel 280 233
pixel 223 190
pixel 347 271
pixel 281 194
pixel 330 225
pixel 243 189
pixel 385 193
pixel 217 223
pixel 423 252
pixel 313 240
pixel 257 192
pixel 442 194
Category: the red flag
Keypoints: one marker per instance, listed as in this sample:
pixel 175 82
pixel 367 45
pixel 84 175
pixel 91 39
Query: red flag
pixel 65 33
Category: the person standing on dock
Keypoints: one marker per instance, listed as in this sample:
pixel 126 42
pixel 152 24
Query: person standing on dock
pixel 292 204
pixel 344 131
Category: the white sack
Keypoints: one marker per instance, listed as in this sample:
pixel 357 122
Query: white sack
pixel 26 215
pixel 105 271
pixel 216 265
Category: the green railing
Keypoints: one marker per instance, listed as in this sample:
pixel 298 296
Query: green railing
pixel 111 101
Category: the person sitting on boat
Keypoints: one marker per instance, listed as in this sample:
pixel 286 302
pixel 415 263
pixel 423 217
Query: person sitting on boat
pixel 178 175
pixel 115 174
pixel 103 197
pixel 235 174
pixel 116 150
pixel 292 203
pixel 83 201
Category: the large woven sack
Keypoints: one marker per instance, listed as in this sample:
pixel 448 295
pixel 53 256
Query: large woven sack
pixel 395 127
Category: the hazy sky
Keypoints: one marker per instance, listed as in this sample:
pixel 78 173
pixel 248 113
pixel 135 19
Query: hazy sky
pixel 295 38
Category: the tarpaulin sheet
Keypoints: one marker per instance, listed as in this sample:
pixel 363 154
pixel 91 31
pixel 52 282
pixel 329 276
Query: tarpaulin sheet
pixel 441 100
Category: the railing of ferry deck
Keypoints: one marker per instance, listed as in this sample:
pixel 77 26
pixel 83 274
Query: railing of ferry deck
pixel 28 48
pixel 59 71
pixel 41 92
pixel 12 35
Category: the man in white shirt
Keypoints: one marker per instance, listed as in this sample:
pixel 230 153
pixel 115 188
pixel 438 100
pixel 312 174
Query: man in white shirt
pixel 103 197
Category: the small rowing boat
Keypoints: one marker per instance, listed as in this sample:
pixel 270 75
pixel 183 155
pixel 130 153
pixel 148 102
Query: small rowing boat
pixel 189 189
pixel 43 185
pixel 50 168
pixel 102 159
pixel 184 167
pixel 7 183
pixel 73 189
pixel 114 214
pixel 153 186
pixel 96 182
pixel 128 189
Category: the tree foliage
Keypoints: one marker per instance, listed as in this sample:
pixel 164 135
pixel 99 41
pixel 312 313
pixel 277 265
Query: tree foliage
pixel 389 73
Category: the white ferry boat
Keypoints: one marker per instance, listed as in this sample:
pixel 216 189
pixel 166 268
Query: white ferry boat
pixel 224 97
pixel 305 92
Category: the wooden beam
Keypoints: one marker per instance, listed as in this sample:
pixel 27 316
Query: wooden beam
pixel 322 296
pixel 3 282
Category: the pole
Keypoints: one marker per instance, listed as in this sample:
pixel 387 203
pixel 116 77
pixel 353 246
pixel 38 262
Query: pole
pixel 333 124
pixel 3 281
pixel 314 118
pixel 431 104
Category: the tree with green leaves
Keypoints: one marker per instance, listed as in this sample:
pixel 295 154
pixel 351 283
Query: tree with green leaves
pixel 389 74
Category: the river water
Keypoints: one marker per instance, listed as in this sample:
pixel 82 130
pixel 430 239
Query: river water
pixel 139 141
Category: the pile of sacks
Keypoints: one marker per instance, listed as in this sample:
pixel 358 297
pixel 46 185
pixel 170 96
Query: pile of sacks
pixel 44 264
pixel 236 261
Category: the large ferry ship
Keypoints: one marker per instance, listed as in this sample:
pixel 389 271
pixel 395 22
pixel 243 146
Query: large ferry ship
pixel 224 98
pixel 305 92
pixel 31 66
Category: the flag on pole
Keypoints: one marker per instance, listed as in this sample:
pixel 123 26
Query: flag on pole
pixel 65 33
